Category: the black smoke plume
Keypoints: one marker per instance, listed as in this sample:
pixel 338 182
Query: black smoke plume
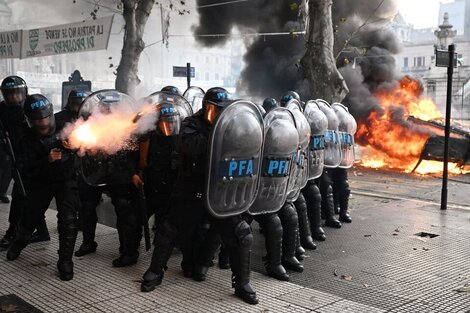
pixel 361 35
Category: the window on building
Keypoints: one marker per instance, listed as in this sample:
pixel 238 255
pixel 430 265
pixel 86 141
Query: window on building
pixel 207 76
pixel 431 89
pixel 207 59
pixel 405 62
pixel 217 60
pixel 419 62
pixel 216 76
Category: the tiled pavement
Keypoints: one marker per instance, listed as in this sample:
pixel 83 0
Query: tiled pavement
pixel 391 270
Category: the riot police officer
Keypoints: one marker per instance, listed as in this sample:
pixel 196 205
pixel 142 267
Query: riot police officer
pixel 14 91
pixel 158 157
pixel 71 109
pixel 49 171
pixel 347 128
pixel 188 209
pixel 269 104
pixel 172 90
pixel 120 188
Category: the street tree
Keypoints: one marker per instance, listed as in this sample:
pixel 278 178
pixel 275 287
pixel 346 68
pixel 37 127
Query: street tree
pixel 135 14
pixel 318 64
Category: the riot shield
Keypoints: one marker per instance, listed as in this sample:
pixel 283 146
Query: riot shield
pixel 300 175
pixel 347 128
pixel 97 168
pixel 163 98
pixel 105 100
pixel 332 144
pixel 235 151
pixel 194 95
pixel 318 125
pixel 281 141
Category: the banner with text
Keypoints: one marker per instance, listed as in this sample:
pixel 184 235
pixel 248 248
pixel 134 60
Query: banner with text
pixel 68 38
pixel 10 44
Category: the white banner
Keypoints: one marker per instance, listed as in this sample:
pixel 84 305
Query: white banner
pixel 68 38
pixel 10 44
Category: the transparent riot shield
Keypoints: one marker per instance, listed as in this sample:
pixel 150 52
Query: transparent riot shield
pixel 179 102
pixel 347 128
pixel 235 152
pixel 281 141
pixel 300 157
pixel 98 168
pixel 333 155
pixel 194 95
pixel 318 125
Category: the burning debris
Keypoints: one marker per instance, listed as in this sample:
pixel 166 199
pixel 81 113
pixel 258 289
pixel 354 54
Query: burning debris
pixel 406 130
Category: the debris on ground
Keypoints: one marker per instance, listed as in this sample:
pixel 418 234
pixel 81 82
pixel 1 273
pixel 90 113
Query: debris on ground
pixel 346 277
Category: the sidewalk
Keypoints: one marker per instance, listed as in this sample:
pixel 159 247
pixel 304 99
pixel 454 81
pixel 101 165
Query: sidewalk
pixel 375 264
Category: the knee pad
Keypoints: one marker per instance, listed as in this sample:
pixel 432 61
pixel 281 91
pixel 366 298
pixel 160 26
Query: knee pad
pixel 273 226
pixel 289 216
pixel 167 230
pixel 243 234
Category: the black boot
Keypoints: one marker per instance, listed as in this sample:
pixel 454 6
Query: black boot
pixel 165 237
pixel 273 242
pixel 68 230
pixel 288 216
pixel 305 235
pixel 313 199
pixel 247 294
pixel 65 268
pixel 240 259
pixel 344 203
pixel 224 259
pixel 41 233
pixel 15 249
pixel 151 280
pixel 327 206
pixel 299 250
pixel 86 248
pixel 125 260
pixel 187 268
pixel 19 243
pixel 7 240
pixel 206 254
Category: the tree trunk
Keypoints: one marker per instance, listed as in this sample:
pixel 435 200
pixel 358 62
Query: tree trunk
pixel 136 14
pixel 319 64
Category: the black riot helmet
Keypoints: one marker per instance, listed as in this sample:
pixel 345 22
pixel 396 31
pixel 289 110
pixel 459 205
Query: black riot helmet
pixel 269 104
pixel 169 119
pixel 289 96
pixel 39 114
pixel 172 89
pixel 75 100
pixel 214 101
pixel 14 90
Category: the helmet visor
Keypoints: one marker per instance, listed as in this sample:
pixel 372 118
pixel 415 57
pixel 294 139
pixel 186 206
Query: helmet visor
pixel 43 126
pixel 14 96
pixel 169 125
pixel 211 111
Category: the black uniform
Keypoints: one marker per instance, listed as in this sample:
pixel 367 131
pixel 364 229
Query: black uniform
pixel 12 118
pixel 160 174
pixel 313 198
pixel 341 192
pixel 187 212
pixel 45 180
pixel 327 202
pixel 128 222
pixel 305 235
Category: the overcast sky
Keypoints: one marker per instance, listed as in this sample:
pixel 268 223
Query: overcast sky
pixel 421 13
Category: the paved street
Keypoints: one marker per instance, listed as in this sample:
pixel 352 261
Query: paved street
pixel 376 264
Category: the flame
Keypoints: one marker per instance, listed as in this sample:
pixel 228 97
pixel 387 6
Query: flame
pixel 108 132
pixel 389 140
